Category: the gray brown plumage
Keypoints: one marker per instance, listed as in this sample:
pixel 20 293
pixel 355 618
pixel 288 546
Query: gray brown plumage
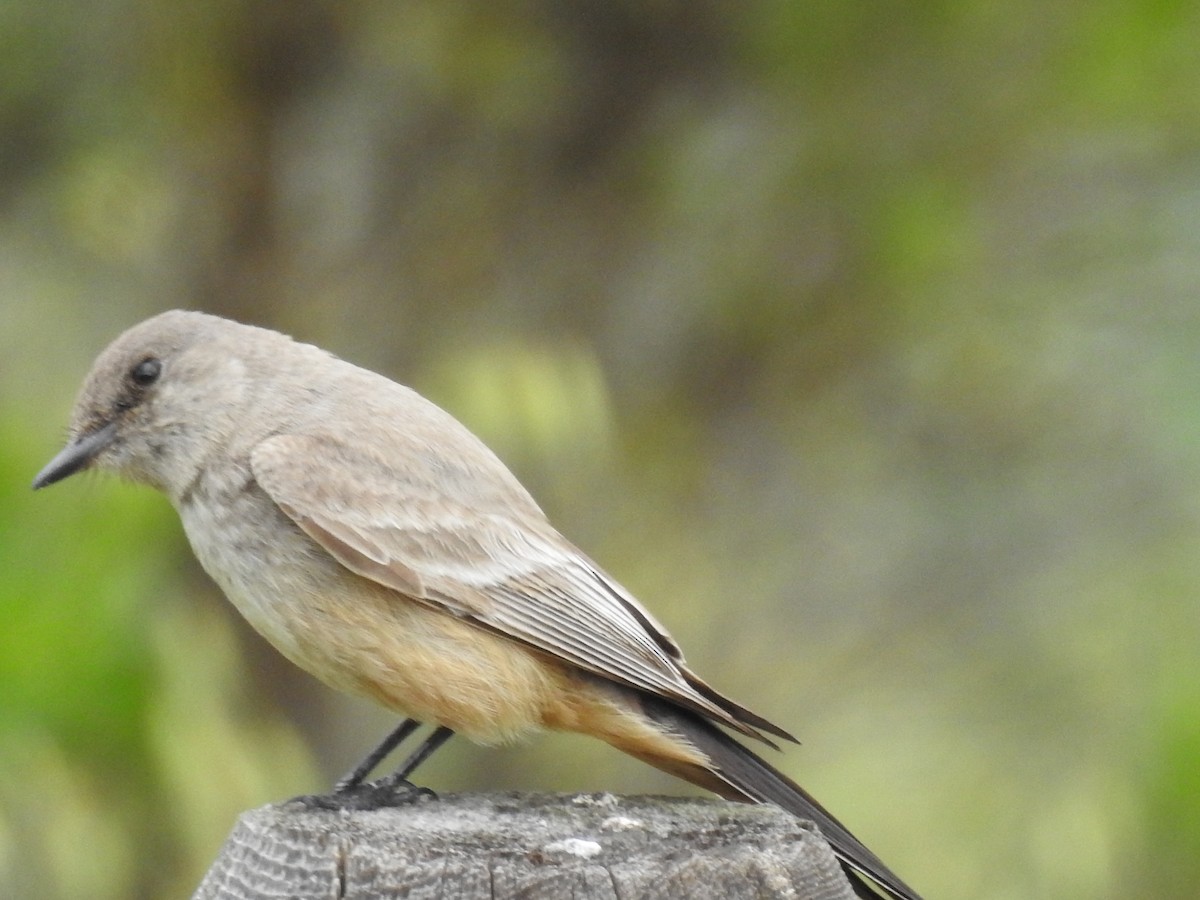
pixel 380 545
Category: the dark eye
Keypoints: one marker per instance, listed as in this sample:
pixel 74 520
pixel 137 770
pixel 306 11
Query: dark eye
pixel 146 372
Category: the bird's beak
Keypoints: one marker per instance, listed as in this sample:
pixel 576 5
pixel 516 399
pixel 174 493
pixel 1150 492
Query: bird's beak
pixel 75 456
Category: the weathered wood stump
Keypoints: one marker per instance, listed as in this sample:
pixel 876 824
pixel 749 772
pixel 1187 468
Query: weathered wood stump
pixel 547 846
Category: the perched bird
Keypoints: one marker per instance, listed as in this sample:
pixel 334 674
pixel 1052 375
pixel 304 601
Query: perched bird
pixel 378 544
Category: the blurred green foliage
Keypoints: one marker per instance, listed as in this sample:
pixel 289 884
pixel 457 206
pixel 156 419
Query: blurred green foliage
pixel 859 340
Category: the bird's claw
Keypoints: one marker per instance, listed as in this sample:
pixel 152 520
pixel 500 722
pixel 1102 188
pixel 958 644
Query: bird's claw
pixel 368 795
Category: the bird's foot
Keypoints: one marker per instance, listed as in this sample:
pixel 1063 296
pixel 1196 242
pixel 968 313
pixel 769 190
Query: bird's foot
pixel 367 795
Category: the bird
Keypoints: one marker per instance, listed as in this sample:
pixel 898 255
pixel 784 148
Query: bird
pixel 381 546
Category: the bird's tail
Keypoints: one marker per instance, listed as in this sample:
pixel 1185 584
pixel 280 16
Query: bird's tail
pixel 736 773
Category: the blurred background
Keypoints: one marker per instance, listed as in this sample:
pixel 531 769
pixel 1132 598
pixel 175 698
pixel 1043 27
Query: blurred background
pixel 860 341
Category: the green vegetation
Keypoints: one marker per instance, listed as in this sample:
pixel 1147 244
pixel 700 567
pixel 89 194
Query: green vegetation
pixel 860 341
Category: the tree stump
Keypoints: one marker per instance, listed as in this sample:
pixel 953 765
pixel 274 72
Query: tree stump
pixel 545 846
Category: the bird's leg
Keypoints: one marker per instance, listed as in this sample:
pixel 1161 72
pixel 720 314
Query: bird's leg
pixel 352 792
pixel 375 757
pixel 440 735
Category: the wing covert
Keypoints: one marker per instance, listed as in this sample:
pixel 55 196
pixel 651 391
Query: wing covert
pixel 515 576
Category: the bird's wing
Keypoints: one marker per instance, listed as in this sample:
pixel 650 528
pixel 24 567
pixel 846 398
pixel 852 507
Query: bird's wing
pixel 515 576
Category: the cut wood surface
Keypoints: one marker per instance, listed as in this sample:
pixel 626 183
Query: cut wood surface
pixel 582 846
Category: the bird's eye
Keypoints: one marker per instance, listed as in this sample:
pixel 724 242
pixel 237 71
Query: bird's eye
pixel 146 372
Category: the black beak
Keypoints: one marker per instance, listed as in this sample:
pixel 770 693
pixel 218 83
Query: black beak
pixel 75 456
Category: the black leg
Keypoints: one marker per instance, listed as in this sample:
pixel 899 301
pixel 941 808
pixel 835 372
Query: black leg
pixel 353 792
pixel 439 736
pixel 386 746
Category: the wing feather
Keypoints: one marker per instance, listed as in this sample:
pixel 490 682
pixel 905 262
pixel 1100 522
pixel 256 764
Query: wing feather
pixel 512 574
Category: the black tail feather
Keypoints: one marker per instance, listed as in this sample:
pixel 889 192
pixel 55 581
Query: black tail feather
pixel 747 777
